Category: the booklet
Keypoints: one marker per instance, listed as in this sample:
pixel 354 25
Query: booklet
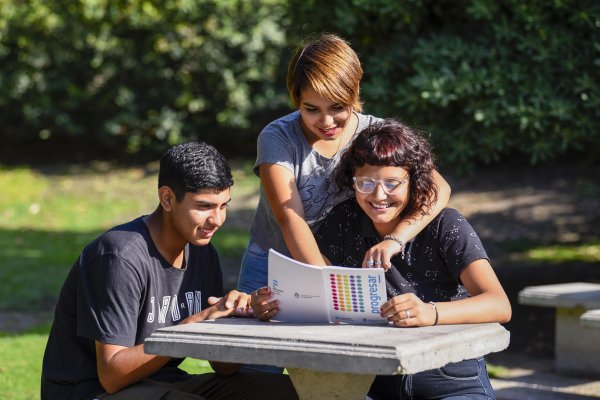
pixel 312 294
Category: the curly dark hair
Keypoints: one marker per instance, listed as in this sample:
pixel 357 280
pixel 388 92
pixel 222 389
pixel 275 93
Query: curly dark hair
pixel 194 166
pixel 391 143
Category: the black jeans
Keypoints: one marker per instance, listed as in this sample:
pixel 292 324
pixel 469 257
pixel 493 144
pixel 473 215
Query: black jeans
pixel 263 386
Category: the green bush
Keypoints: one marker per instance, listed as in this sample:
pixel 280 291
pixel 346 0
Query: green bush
pixel 132 75
pixel 485 78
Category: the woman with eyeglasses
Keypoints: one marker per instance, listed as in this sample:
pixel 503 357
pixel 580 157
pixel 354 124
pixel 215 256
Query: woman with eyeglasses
pixel 296 155
pixel 444 277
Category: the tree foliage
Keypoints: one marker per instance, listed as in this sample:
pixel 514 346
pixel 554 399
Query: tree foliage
pixel 485 78
pixel 133 75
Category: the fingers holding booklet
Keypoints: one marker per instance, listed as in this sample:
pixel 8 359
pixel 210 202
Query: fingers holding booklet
pixel 305 293
pixel 263 305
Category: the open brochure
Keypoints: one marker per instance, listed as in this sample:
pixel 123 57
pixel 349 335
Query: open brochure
pixel 313 294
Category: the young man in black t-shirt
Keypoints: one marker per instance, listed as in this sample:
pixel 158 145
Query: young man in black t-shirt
pixel 156 271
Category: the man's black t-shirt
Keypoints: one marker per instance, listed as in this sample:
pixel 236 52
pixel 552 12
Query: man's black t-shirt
pixel 119 291
pixel 433 261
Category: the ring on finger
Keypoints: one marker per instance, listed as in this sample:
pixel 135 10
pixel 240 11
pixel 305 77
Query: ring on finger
pixel 370 262
pixel 377 262
pixel 407 313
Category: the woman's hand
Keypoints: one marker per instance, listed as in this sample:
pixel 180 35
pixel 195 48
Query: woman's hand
pixel 262 307
pixel 408 310
pixel 380 255
pixel 233 303
pixel 237 303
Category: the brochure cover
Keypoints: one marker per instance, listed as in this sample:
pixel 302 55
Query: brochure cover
pixel 313 294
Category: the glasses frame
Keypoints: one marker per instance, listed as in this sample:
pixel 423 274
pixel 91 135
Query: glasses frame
pixel 378 182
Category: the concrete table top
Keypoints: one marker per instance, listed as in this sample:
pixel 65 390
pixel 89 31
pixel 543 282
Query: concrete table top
pixel 373 350
pixel 591 319
pixel 562 295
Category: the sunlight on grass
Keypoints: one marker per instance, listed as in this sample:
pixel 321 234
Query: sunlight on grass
pixel 496 371
pixel 243 176
pixel 193 366
pixel 62 200
pixel 88 199
pixel 589 253
pixel 22 364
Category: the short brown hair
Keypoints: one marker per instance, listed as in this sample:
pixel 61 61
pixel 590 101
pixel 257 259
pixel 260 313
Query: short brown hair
pixel 327 64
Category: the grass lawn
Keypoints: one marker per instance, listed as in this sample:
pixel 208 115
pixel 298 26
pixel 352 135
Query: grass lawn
pixel 20 363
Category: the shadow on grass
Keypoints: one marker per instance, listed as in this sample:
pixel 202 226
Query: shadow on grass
pixel 35 263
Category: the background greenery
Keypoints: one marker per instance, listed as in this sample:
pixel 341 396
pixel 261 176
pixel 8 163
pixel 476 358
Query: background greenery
pixel 125 78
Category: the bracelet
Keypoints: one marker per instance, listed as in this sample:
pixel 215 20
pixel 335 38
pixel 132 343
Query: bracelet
pixel 436 312
pixel 397 240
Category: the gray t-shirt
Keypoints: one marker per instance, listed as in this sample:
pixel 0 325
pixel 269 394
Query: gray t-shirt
pixel 283 143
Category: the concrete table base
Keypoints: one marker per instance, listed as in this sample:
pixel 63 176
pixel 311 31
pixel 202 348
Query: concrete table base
pixel 577 347
pixel 317 385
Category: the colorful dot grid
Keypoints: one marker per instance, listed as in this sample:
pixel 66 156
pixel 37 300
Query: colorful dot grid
pixel 346 292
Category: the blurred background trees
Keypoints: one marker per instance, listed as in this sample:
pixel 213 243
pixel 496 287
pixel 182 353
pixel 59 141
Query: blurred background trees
pixel 124 79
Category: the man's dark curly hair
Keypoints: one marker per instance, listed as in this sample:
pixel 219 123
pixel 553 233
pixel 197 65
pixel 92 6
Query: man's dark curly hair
pixel 194 166
pixel 391 143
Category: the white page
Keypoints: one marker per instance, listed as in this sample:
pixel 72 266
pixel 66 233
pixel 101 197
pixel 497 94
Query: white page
pixel 299 289
pixel 355 295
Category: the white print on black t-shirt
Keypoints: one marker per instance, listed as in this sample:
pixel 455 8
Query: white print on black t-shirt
pixel 194 305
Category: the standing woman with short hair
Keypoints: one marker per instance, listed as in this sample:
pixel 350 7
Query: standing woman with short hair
pixel 296 155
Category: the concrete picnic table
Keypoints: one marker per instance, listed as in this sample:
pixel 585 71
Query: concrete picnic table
pixel 332 361
pixel 576 339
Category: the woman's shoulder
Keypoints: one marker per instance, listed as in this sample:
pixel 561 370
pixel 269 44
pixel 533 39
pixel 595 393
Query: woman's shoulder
pixel 364 120
pixel 285 125
pixel 451 220
pixel 451 213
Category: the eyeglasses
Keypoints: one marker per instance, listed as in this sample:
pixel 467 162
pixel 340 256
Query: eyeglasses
pixel 364 184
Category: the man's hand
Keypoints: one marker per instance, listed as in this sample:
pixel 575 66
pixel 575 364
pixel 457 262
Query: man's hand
pixel 239 302
pixel 233 303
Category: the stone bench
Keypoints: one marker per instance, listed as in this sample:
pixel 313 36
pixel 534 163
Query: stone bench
pixel 591 319
pixel 576 347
